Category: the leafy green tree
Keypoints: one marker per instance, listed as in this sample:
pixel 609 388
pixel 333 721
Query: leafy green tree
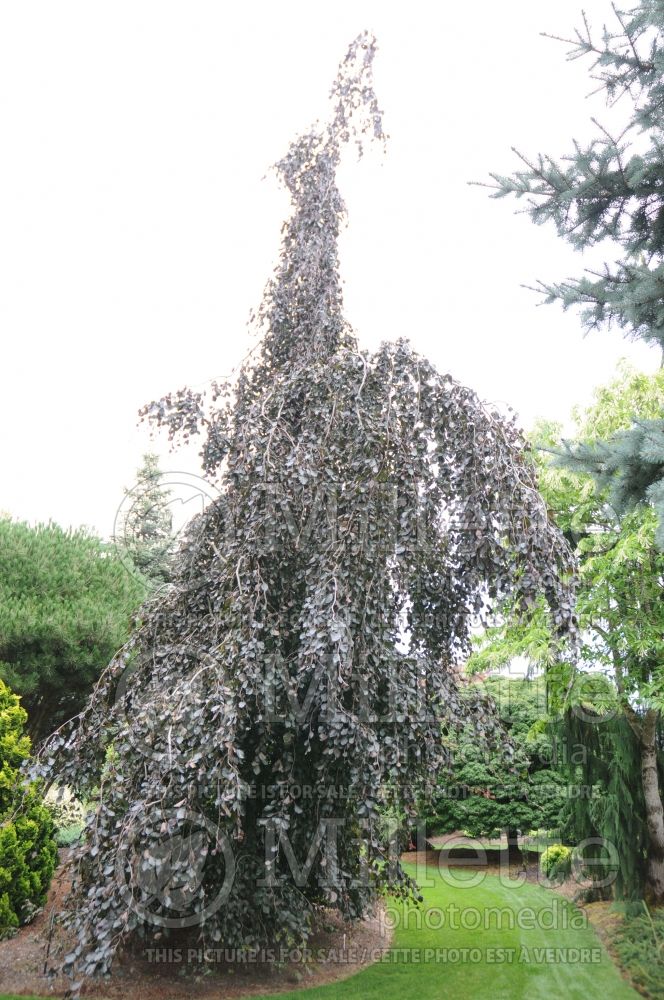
pixel 511 784
pixel 145 529
pixel 361 497
pixel 608 193
pixel 66 603
pixel 621 618
pixel 28 851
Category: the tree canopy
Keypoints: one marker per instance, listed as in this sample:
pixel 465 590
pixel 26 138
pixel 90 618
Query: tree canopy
pixel 66 604
pixel 607 194
pixel 369 508
pixel 612 699
pixel 510 784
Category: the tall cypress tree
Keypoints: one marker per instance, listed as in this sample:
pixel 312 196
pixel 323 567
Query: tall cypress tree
pixel 368 509
pixel 144 528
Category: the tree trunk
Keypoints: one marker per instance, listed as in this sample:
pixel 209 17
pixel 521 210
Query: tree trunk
pixel 36 710
pixel 654 810
pixel 512 842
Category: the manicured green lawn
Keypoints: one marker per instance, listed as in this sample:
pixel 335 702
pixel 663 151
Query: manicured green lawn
pixel 484 976
pixel 513 921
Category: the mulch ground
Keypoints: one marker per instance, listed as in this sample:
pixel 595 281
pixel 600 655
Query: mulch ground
pixel 24 961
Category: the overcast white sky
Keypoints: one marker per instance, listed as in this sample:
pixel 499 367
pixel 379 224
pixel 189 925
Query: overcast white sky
pixel 137 227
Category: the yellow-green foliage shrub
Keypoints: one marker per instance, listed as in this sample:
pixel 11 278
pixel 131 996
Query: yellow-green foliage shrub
pixel 556 860
pixel 28 852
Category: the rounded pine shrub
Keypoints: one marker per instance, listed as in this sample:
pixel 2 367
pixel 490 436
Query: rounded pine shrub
pixel 556 861
pixel 28 851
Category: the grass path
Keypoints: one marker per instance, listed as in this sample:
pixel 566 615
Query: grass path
pixel 481 976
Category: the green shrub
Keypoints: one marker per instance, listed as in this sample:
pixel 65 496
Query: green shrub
pixel 68 835
pixel 639 945
pixel 28 851
pixel 556 860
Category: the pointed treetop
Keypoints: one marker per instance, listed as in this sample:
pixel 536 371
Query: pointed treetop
pixel 302 308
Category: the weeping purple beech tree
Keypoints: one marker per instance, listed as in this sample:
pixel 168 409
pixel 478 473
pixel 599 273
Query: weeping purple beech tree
pixel 294 677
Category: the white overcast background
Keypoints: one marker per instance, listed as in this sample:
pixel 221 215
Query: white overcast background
pixel 139 221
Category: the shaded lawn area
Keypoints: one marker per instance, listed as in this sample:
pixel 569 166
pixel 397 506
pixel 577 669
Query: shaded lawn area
pixel 545 976
pixel 449 841
pixel 497 942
